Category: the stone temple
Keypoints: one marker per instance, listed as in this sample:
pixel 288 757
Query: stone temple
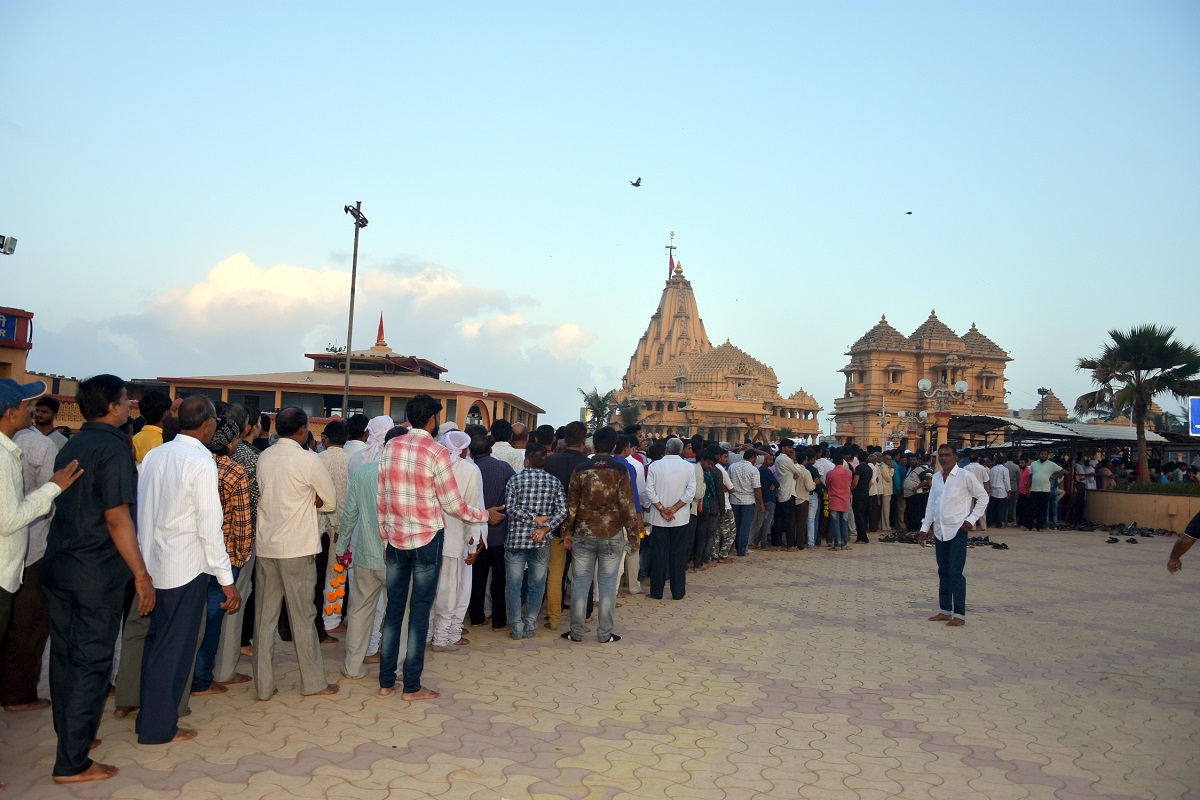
pixel 684 385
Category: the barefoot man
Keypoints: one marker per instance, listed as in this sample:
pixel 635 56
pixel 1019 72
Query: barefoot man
pixel 956 502
pixel 416 485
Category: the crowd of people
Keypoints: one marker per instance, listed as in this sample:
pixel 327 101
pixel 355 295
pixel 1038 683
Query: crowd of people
pixel 147 557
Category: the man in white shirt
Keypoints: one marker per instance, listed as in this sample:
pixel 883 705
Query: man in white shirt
pixel 179 533
pixel 956 502
pixel 785 503
pixel 356 434
pixel 503 449
pixel 745 498
pixel 294 486
pixel 1085 481
pixel 670 487
pixel 982 475
pixel 1000 489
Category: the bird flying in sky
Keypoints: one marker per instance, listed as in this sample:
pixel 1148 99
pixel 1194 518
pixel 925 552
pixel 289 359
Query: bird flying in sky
pixel 638 182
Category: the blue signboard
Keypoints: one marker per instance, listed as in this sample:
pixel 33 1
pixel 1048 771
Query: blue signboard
pixel 8 328
pixel 1194 415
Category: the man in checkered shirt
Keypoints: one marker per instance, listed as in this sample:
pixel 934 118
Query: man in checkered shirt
pixel 416 487
pixel 536 504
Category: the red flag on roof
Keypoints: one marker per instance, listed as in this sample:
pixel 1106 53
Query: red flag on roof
pixel 671 266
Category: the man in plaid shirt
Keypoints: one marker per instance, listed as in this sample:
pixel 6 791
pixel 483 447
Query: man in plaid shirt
pixel 416 485
pixel 536 504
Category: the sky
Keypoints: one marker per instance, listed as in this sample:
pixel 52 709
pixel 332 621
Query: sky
pixel 176 176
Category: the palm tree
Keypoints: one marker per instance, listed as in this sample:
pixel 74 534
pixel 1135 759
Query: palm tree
pixel 599 404
pixel 630 412
pixel 1133 368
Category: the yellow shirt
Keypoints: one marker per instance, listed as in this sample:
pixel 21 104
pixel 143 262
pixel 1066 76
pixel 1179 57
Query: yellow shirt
pixel 148 438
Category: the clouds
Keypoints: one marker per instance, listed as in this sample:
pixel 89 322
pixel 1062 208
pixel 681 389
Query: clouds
pixel 245 318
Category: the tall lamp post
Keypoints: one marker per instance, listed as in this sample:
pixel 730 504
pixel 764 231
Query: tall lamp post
pixel 1042 392
pixel 908 418
pixel 360 222
pixel 941 396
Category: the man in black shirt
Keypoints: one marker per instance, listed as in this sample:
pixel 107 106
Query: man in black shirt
pixel 562 465
pixel 91 550
pixel 860 496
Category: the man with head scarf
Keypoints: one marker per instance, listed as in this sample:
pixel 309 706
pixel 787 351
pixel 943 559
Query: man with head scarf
pixel 377 429
pixel 458 550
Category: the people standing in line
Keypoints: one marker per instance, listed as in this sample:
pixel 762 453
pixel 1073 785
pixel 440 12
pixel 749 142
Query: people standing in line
pixel 237 529
pixel 1000 489
pixel 804 500
pixel 1041 473
pixel 785 497
pixel 461 543
pixel 838 483
pixel 916 491
pixel 489 564
pixel 503 449
pixel 561 465
pixel 337 464
pixel 91 552
pixel 535 504
pixel 599 509
pixel 670 489
pixel 860 498
pixel 29 627
pixel 760 528
pixel 416 486
pixel 956 502
pixel 746 498
pixel 180 534
pixel 295 486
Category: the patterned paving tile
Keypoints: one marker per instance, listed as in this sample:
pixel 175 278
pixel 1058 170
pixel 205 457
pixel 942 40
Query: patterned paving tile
pixel 780 676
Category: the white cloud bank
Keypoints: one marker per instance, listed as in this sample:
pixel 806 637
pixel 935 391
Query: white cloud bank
pixel 244 318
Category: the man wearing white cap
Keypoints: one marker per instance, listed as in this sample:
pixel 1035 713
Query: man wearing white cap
pixel 461 540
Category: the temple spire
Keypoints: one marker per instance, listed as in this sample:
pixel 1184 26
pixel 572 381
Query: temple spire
pixel 379 342
pixel 671 256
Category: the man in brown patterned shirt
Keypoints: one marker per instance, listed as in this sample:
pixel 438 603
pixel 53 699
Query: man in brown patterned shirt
pixel 233 486
pixel 599 510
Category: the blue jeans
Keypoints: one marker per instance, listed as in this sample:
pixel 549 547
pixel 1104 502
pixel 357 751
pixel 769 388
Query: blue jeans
pixel 537 559
pixel 420 566
pixel 952 586
pixel 839 527
pixel 206 656
pixel 761 535
pixel 743 515
pixel 588 556
pixel 1052 505
pixel 814 508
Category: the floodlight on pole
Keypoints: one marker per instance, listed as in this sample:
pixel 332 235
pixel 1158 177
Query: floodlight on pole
pixel 360 222
pixel 8 245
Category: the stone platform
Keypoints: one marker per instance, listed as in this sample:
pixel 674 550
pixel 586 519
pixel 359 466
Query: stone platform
pixel 790 675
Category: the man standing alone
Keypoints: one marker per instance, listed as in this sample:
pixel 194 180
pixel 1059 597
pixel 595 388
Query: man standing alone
pixel 956 502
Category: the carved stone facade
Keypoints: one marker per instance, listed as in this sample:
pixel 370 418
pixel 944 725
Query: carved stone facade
pixel 683 385
pixel 885 367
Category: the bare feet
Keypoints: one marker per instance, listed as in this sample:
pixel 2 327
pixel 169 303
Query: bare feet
pixel 213 688
pixel 420 694
pixel 939 618
pixel 124 711
pixel 387 691
pixel 330 689
pixel 463 641
pixel 238 678
pixel 371 659
pixel 330 640
pixel 36 705
pixel 339 628
pixel 184 735
pixel 96 772
pixel 957 622
pixel 247 651
pixel 95 744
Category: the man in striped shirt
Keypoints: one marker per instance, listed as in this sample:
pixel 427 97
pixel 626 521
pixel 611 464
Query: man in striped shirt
pixel 416 485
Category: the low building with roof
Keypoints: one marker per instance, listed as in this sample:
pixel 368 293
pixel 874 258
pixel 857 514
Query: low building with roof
pixel 382 381
pixel 885 369
pixel 683 385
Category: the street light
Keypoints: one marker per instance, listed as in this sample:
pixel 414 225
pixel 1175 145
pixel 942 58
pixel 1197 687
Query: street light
pixel 360 222
pixel 8 245
pixel 940 394
pixel 916 417
pixel 1042 392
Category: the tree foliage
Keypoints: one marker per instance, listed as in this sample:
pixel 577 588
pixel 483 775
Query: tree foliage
pixel 600 406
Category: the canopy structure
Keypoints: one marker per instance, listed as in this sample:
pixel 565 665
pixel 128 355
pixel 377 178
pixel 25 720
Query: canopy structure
pixel 1016 431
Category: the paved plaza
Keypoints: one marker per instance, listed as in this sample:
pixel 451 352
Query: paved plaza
pixel 780 676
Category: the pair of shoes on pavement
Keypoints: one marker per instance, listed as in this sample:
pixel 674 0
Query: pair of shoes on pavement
pixel 612 638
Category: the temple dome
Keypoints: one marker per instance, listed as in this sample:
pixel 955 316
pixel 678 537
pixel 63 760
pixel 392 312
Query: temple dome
pixel 979 344
pixel 883 335
pixel 933 328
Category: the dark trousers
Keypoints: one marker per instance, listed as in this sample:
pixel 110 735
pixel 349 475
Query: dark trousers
pixel 490 561
pixel 874 512
pixel 21 650
pixel 1025 511
pixel 214 615
pixel 914 510
pixel 671 547
pixel 84 621
pixel 706 529
pixel 1078 506
pixel 952 586
pixel 783 532
pixel 997 511
pixel 285 624
pixel 168 657
pixel 800 522
pixel 743 515
pixel 859 506
pixel 1041 506
pixel 421 568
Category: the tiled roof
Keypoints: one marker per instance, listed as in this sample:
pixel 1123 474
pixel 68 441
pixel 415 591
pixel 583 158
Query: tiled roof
pixel 728 357
pixel 933 328
pixel 976 342
pixel 882 335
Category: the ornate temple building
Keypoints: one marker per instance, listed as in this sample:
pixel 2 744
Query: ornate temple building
pixel 683 385
pixel 886 366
